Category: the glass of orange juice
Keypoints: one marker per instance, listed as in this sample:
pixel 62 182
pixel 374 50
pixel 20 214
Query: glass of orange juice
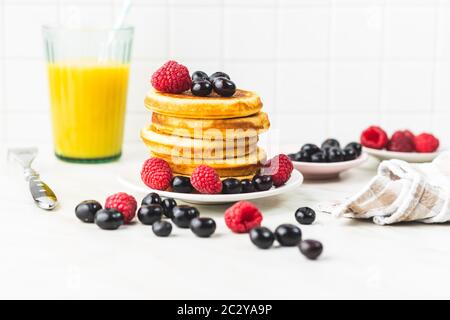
pixel 88 73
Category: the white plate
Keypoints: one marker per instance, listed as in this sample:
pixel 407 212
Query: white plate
pixel 132 180
pixel 330 170
pixel 405 156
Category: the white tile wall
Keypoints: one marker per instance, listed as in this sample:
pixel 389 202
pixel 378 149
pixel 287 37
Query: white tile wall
pixel 322 67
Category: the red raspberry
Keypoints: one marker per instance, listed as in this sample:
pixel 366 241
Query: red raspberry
pixel 426 142
pixel 409 134
pixel 242 217
pixel 156 174
pixel 172 77
pixel 206 180
pixel 374 137
pixel 280 168
pixel 401 142
pixel 123 203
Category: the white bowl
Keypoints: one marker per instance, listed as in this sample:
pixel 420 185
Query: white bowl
pixel 329 170
pixel 405 156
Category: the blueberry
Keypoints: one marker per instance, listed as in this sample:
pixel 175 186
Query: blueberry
pixel 349 154
pixel 291 156
pixel 201 88
pixel 262 183
pixel 356 146
pixel 302 156
pixel 199 75
pixel 218 74
pixel 305 215
pixel 288 235
pixel 168 205
pixel 86 210
pixel 262 237
pixel 202 227
pixel 335 154
pixel 319 157
pixel 311 248
pixel 231 185
pixel 310 148
pixel 109 219
pixel 162 228
pixel 330 143
pixel 151 198
pixel 182 184
pixel 148 214
pixel 183 214
pixel 247 186
pixel 224 87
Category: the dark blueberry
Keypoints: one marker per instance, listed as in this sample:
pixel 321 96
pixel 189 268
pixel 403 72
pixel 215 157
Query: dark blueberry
pixel 182 184
pixel 335 154
pixel 224 87
pixel 349 154
pixel 151 198
pixel 319 157
pixel 262 237
pixel 311 248
pixel 202 227
pixel 356 146
pixel 162 228
pixel 305 215
pixel 183 214
pixel 168 204
pixel 262 183
pixel 302 156
pixel 288 235
pixel 291 156
pixel 330 143
pixel 231 185
pixel 201 88
pixel 199 75
pixel 148 214
pixel 218 75
pixel 109 219
pixel 247 186
pixel 310 148
pixel 86 210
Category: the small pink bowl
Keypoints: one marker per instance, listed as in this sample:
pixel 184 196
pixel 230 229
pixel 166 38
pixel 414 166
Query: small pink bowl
pixel 330 170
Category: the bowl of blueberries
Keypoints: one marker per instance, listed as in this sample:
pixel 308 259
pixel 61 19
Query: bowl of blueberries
pixel 328 160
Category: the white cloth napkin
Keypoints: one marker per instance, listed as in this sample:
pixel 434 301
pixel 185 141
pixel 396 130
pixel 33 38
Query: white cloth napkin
pixel 403 192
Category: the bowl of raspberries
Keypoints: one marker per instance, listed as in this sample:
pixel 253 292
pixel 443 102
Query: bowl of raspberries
pixel 328 160
pixel 402 145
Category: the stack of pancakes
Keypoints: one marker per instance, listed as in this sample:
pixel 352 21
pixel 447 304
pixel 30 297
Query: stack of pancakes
pixel 188 131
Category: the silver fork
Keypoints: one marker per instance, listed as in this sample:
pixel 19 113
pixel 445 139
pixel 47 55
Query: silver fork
pixel 44 197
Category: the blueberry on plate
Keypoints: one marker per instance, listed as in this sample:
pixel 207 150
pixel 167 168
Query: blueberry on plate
pixel 182 184
pixel 262 237
pixel 224 87
pixel 288 235
pixel 183 214
pixel 319 157
pixel 311 248
pixel 218 74
pixel 149 214
pixel 305 215
pixel 86 210
pixel 109 219
pixel 335 154
pixel 262 183
pixel 199 75
pixel 355 146
pixel 329 143
pixel 247 186
pixel 203 227
pixel 151 198
pixel 310 149
pixel 162 228
pixel 349 154
pixel 302 156
pixel 201 88
pixel 168 204
pixel 231 186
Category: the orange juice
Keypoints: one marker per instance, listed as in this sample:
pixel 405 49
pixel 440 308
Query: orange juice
pixel 88 100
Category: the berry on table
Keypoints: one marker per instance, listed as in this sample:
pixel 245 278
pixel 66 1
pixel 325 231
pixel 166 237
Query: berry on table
pixel 183 214
pixel 182 184
pixel 124 203
pixel 374 137
pixel 279 168
pixel 242 217
pixel 86 210
pixel 335 154
pixel 310 148
pixel 231 186
pixel 262 183
pixel 156 173
pixel 247 186
pixel 224 87
pixel 162 228
pixel 109 219
pixel 217 75
pixel 305 215
pixel 330 143
pixel 349 154
pixel 288 235
pixel 206 180
pixel 202 227
pixel 149 214
pixel 172 77
pixel 168 204
pixel 199 75
pixel 319 157
pixel 302 156
pixel 311 249
pixel 426 142
pixel 151 198
pixel 355 146
pixel 400 142
pixel 262 237
pixel 201 88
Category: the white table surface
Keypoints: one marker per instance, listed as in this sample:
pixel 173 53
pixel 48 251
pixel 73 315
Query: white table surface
pixel 53 255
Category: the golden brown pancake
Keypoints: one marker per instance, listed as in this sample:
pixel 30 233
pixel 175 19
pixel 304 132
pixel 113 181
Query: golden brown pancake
pixel 241 104
pixel 225 129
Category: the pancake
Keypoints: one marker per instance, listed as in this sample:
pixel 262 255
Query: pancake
pixel 186 105
pixel 238 167
pixel 235 128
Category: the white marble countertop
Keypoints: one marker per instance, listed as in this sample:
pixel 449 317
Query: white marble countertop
pixel 53 255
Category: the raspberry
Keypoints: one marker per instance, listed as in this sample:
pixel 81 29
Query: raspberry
pixel 172 77
pixel 426 142
pixel 280 168
pixel 205 180
pixel 374 137
pixel 400 142
pixel 156 174
pixel 242 217
pixel 409 134
pixel 124 203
